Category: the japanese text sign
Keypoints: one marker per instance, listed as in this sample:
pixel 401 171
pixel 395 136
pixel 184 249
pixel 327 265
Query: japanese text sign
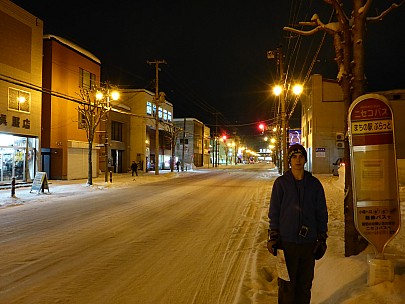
pixel 374 169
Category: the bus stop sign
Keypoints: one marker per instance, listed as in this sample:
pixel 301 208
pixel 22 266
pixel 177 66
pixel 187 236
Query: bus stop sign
pixel 374 170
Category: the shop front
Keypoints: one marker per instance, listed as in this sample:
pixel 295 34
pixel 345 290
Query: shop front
pixel 18 156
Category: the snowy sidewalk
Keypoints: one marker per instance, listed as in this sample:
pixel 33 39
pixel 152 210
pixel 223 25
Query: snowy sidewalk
pixel 59 188
pixel 23 195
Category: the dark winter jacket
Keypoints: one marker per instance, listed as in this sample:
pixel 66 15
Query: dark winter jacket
pixel 296 203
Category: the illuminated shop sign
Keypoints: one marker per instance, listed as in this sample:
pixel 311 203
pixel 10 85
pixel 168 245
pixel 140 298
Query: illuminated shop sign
pixel 15 121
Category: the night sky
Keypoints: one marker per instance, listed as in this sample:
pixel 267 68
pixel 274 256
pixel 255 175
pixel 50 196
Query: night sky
pixel 216 50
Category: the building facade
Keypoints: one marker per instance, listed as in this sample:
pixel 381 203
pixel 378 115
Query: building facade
pixel 322 124
pixel 20 92
pixel 67 68
pixel 119 133
pixel 142 125
pixel 193 143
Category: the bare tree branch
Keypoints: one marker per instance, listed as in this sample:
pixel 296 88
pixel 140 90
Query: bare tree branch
pixel 384 13
pixel 366 8
pixel 304 33
pixel 330 28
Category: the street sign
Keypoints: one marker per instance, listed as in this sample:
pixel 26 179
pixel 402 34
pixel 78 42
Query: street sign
pixel 40 182
pixel 374 170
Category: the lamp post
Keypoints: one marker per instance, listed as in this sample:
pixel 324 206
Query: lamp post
pixel 279 90
pixel 106 93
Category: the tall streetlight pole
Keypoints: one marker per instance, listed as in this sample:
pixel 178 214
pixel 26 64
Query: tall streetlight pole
pixel 158 99
pixel 281 90
pixel 114 95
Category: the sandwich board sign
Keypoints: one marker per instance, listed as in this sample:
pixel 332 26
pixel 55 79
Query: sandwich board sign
pixel 40 182
pixel 374 170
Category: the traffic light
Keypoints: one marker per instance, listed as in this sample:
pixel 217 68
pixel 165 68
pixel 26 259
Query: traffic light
pixel 261 128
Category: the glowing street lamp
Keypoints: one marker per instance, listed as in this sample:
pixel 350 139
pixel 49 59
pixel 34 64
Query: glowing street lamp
pixel 297 89
pixel 106 93
pixel 278 90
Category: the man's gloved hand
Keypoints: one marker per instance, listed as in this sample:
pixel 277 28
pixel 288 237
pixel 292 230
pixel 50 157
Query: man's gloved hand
pixel 272 243
pixel 320 246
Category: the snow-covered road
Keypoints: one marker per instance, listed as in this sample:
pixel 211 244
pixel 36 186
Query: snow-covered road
pixel 190 239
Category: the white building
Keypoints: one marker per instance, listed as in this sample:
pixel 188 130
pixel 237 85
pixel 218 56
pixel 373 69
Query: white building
pixel 193 143
pixel 322 124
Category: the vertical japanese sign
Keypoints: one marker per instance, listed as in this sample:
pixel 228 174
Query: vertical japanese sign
pixel 374 170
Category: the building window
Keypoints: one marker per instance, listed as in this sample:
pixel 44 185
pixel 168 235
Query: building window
pixel 165 115
pixel 19 100
pixel 169 116
pixel 148 108
pixel 116 130
pixel 160 113
pixel 87 80
pixel 185 140
pixel 81 121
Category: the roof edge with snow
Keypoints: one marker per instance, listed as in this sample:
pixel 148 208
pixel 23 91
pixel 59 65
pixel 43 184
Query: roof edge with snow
pixel 73 46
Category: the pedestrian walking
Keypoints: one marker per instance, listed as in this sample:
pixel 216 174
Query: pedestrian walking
pixel 134 168
pixel 298 220
pixel 178 166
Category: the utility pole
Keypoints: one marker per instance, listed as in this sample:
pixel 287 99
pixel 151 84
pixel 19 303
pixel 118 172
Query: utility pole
pixel 216 139
pixel 283 111
pixel 158 99
pixel 184 145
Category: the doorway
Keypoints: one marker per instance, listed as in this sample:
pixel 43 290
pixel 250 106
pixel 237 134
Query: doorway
pixel 117 160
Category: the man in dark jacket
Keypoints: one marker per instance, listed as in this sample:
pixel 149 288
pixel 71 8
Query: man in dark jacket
pixel 298 225
pixel 134 168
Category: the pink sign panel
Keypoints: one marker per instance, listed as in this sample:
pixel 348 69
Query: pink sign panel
pixel 371 123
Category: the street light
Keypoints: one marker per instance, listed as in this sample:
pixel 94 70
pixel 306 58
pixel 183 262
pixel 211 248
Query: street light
pixel 101 94
pixel 297 89
pixel 278 90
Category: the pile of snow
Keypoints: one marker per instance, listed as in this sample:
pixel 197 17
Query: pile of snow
pixel 340 279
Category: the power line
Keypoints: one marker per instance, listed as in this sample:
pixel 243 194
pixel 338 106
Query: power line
pixel 37 88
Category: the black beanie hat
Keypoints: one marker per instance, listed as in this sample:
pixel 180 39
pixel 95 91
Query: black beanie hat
pixel 296 149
